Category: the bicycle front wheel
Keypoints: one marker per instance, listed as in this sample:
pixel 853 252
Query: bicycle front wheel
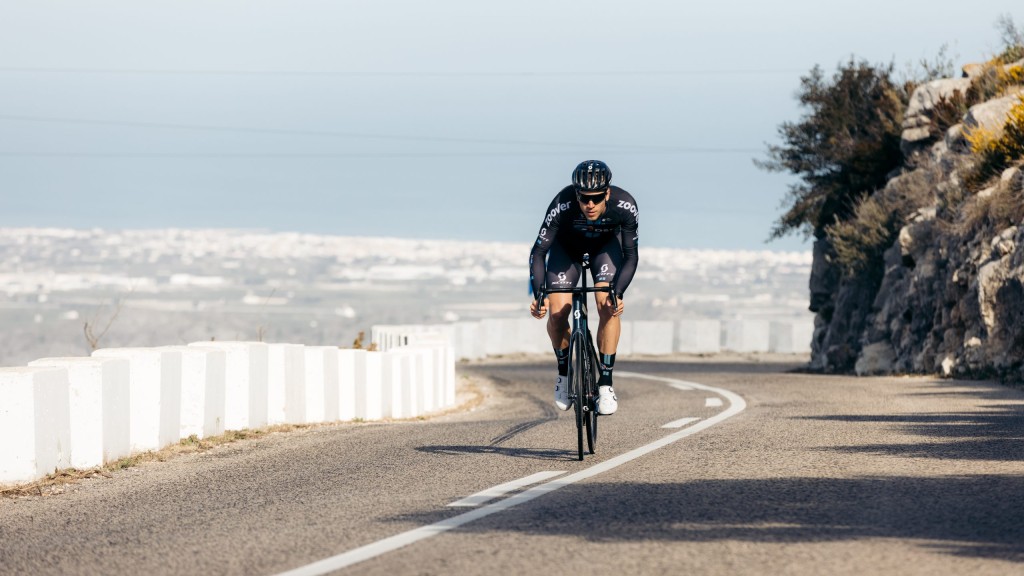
pixel 577 390
pixel 589 390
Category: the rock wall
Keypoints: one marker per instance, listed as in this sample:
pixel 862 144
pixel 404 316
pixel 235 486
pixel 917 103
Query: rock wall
pixel 941 304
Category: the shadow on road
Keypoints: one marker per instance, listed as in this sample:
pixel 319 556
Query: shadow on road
pixel 996 434
pixel 534 453
pixel 977 516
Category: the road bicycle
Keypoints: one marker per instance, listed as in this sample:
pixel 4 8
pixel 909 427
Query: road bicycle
pixel 583 369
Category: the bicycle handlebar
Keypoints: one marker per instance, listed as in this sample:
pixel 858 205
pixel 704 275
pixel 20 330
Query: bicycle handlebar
pixel 609 289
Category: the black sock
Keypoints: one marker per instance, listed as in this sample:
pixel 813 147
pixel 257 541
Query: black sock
pixel 563 360
pixel 607 363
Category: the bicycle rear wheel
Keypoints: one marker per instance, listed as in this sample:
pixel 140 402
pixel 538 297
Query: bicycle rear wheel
pixel 577 391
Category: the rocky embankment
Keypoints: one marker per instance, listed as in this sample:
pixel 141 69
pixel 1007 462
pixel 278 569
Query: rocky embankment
pixel 949 298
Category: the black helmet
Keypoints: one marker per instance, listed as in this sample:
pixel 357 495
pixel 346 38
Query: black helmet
pixel 591 176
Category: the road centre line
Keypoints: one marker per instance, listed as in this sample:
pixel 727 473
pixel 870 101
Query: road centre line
pixel 712 402
pixel 679 423
pixel 680 386
pixel 372 550
pixel 502 489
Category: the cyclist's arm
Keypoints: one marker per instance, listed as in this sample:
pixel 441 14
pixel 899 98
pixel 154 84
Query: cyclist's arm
pixel 630 255
pixel 545 237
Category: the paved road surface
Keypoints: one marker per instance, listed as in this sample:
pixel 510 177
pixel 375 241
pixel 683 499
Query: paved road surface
pixel 817 475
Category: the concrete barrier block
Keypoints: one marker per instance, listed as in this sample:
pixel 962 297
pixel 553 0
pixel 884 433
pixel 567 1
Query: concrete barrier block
pixel 450 379
pixel 321 383
pixel 203 375
pixel 425 389
pixel 411 383
pixel 98 408
pixel 35 423
pixel 791 336
pixel 467 341
pixel 369 384
pixel 395 372
pixel 440 356
pixel 286 384
pixel 652 337
pixel 747 335
pixel 246 393
pixel 347 383
pixel 154 385
pixel 699 336
pixel 533 336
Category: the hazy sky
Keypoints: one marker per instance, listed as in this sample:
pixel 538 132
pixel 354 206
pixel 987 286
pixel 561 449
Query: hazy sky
pixel 446 119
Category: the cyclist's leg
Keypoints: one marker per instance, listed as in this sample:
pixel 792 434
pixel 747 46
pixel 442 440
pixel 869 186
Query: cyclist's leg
pixel 606 264
pixel 562 272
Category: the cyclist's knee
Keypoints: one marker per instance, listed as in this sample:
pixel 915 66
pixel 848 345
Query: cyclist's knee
pixel 560 315
pixel 606 313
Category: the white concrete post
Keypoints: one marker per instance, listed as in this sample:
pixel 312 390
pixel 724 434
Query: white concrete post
pixel 286 384
pixel 98 408
pixel 412 370
pixel 154 395
pixel 425 381
pixel 747 335
pixel 203 376
pixel 368 382
pixel 791 336
pixel 321 383
pixel 395 370
pixel 246 394
pixel 35 423
pixel 653 337
pixel 699 336
pixel 347 383
pixel 449 384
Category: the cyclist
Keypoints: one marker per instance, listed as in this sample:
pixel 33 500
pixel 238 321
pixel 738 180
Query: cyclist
pixel 589 216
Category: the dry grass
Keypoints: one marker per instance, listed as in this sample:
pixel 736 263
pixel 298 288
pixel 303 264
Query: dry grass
pixel 55 483
pixel 986 216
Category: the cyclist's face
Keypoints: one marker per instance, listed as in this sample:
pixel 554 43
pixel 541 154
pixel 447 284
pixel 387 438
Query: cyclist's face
pixel 593 205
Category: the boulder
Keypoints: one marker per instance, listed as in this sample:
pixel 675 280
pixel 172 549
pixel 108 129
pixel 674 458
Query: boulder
pixel 991 115
pixel 917 124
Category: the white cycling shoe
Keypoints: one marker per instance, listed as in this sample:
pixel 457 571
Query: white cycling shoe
pixel 607 402
pixel 562 393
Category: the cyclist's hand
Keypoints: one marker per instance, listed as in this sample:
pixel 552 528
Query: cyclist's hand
pixel 539 313
pixel 618 311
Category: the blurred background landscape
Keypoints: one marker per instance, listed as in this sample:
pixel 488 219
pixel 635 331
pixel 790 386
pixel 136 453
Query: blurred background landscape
pixel 161 287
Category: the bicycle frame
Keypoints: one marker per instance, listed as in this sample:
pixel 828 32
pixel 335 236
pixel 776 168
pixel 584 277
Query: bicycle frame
pixel 583 359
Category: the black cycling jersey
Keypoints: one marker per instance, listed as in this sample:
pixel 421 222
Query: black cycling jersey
pixel 565 223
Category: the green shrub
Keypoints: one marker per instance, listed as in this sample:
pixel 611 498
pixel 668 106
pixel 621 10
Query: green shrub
pixel 842 149
pixel 861 241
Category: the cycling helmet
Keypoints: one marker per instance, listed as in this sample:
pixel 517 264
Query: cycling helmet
pixel 591 176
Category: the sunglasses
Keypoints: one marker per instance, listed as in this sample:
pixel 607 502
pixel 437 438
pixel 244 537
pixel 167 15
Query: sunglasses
pixel 595 198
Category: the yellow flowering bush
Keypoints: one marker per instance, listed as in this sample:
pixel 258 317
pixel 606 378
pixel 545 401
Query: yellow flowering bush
pixel 994 152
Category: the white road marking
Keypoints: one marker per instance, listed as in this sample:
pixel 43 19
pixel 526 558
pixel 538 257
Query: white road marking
pixel 680 386
pixel 502 489
pixel 680 423
pixel 712 402
pixel 345 559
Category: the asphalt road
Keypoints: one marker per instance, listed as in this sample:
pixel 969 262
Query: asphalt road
pixel 805 474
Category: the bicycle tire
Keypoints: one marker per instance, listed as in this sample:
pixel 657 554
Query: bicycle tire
pixel 576 390
pixel 590 392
